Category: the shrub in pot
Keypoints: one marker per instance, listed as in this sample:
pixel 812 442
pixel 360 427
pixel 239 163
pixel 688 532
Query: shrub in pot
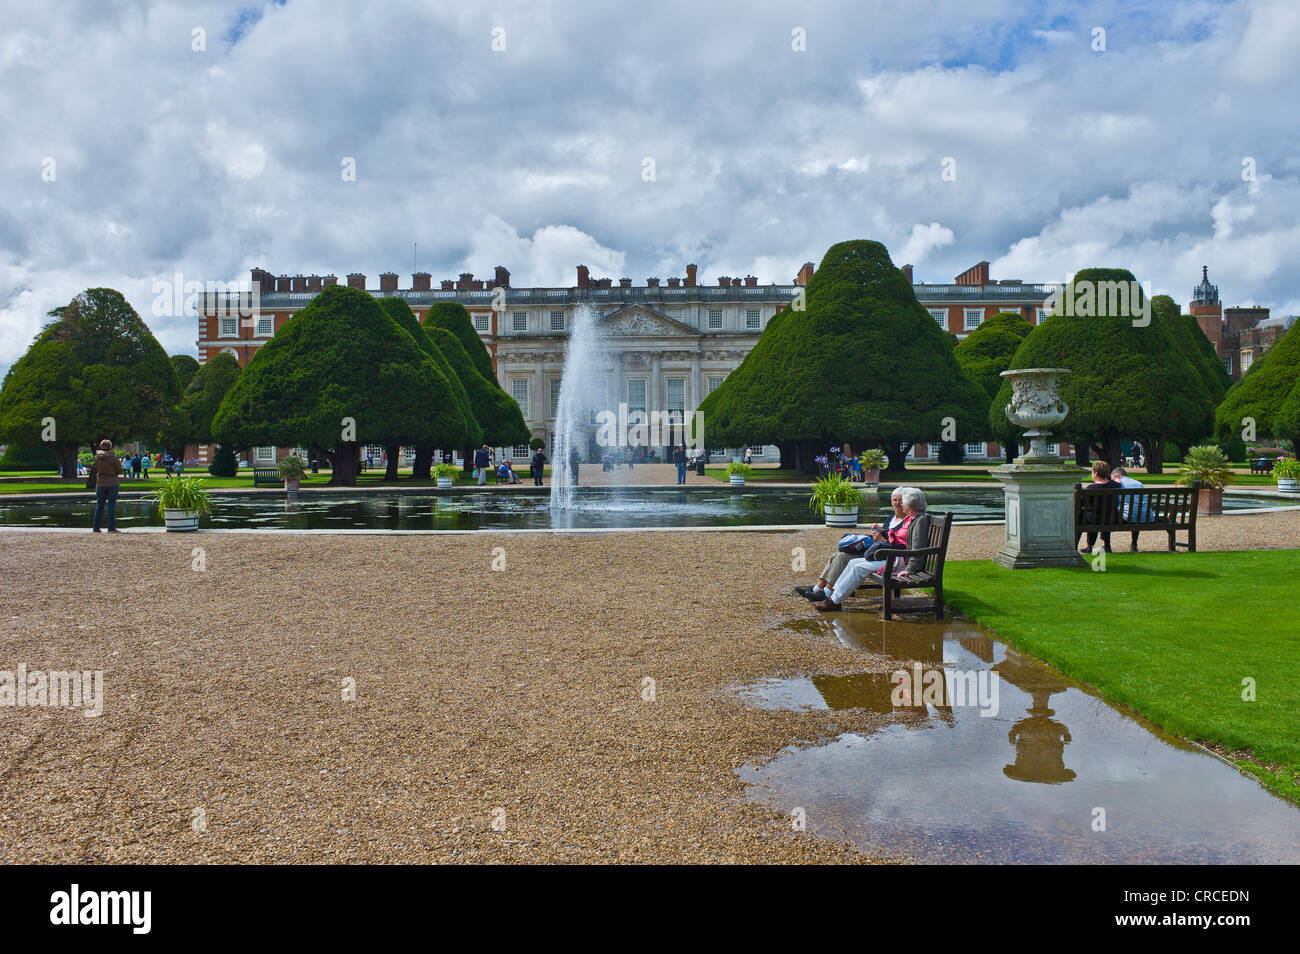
pixel 737 471
pixel 837 500
pixel 1286 471
pixel 291 470
pixel 1210 465
pixel 873 462
pixel 183 500
pixel 446 474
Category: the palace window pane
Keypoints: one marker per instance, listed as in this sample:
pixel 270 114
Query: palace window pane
pixel 482 323
pixel 264 455
pixel 265 327
pixel 751 318
pixel 715 317
pixel 676 394
pixel 555 396
pixel 636 395
pixel 714 384
pixel 557 321
pixel 974 450
pixel 228 327
pixel 940 315
pixel 519 391
pixel 973 318
pixel 519 450
pixel 521 321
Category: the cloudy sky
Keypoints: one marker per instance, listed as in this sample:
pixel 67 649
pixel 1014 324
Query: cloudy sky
pixel 142 139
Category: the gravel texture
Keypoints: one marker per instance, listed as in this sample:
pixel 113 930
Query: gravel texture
pixel 483 696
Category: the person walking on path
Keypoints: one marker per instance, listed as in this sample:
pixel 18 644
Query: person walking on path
pixel 538 465
pixel 679 458
pixel 108 472
pixel 482 461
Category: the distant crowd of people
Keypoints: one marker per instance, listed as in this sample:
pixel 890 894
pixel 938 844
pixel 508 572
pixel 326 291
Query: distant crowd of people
pixel 137 466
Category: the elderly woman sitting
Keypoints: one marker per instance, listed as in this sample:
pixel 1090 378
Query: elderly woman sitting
pixel 836 564
pixel 901 537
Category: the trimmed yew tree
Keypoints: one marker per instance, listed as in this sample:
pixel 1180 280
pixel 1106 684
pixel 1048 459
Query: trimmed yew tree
pixel 1266 394
pixel 452 316
pixel 97 371
pixel 864 363
pixel 400 312
pixel 984 354
pixel 497 413
pixel 1127 381
pixel 338 375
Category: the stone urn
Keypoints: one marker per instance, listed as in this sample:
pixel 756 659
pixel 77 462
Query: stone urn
pixel 1037 407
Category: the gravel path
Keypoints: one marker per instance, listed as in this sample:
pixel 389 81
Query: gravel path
pixel 511 696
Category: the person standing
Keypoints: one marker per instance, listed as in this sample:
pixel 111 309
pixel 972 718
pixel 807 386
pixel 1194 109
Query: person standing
pixel 482 461
pixel 538 466
pixel 679 458
pixel 108 472
pixel 135 466
pixel 574 460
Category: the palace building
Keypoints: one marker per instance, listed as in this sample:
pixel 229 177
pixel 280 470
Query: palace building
pixel 670 342
pixel 1240 335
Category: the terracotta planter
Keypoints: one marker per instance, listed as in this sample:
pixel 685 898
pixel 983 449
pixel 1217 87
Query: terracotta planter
pixel 181 521
pixel 871 476
pixel 840 516
pixel 292 483
pixel 1210 501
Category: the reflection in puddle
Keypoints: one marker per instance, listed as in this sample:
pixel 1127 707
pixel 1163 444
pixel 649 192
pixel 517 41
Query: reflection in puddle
pixel 1054 775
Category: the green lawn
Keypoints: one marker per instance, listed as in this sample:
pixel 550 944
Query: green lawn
pixel 1170 635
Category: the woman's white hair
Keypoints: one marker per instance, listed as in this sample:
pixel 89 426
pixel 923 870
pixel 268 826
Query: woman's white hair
pixel 913 499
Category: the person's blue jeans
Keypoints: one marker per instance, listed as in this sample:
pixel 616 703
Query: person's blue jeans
pixel 681 472
pixel 106 498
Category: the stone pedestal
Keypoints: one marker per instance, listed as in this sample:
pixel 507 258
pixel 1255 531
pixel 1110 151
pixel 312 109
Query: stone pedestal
pixel 1040 513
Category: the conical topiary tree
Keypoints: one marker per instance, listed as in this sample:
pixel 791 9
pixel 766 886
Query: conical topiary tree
pixel 864 363
pixel 340 374
pixel 1127 380
pixel 400 312
pixel 984 354
pixel 452 316
pixel 94 372
pixel 497 413
pixel 1257 402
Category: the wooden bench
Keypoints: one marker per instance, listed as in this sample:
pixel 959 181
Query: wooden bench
pixel 1171 509
pixel 1261 465
pixel 929 578
pixel 266 475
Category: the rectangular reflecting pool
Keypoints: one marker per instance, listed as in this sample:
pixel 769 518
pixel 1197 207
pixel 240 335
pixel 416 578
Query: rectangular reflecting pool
pixel 594 508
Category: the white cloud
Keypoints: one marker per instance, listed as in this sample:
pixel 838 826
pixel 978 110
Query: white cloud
pixel 923 240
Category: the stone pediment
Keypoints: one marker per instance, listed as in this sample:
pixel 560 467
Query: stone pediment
pixel 638 321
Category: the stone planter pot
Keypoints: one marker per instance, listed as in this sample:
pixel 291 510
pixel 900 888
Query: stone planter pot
pixel 445 482
pixel 292 483
pixel 1287 485
pixel 840 516
pixel 737 480
pixel 1036 406
pixel 1209 502
pixel 181 520
pixel 871 476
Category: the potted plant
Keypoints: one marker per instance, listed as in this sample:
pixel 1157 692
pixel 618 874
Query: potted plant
pixel 1210 465
pixel 873 461
pixel 292 469
pixel 446 474
pixel 837 500
pixel 737 471
pixel 183 500
pixel 1286 471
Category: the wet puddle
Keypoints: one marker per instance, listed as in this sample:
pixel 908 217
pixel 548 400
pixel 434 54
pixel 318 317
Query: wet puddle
pixel 992 756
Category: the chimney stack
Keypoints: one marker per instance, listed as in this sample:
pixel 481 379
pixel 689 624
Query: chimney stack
pixel 805 274
pixel 583 276
pixel 299 283
pixel 652 283
pixel 503 277
pixel 387 281
pixel 448 284
pixel 724 281
pixel 674 283
pixel 357 280
pixel 466 281
pixel 751 281
pixel 907 270
pixel 690 276
pixel 975 275
pixel 421 281
pixel 313 283
pixel 264 281
pixel 329 280
pixel 625 283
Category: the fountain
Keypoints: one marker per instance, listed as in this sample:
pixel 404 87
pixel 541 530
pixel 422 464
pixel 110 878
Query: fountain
pixel 1039 486
pixel 582 392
